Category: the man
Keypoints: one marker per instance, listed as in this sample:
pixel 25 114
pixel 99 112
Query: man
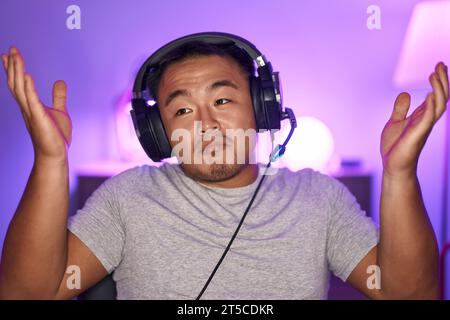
pixel 162 230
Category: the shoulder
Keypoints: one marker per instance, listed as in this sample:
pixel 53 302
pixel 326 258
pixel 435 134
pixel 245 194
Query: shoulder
pixel 309 179
pixel 126 178
pixel 135 176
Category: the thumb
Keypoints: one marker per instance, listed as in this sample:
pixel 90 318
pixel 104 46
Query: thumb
pixel 59 95
pixel 401 106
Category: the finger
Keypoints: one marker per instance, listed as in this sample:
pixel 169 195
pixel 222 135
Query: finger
pixel 5 61
pixel 401 106
pixel 430 108
pixel 439 96
pixel 19 89
pixel 10 72
pixel 22 109
pixel 424 118
pixel 441 70
pixel 59 95
pixel 12 52
pixel 36 107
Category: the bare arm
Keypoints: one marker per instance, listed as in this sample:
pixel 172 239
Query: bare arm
pixel 38 247
pixel 407 253
pixel 91 270
pixel 35 249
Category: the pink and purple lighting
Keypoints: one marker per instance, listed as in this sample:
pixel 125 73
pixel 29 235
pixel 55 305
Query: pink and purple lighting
pixel 339 77
pixel 426 42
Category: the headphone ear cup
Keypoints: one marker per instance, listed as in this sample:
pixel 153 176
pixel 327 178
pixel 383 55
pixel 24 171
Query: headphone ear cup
pixel 258 104
pixel 159 136
pixel 267 98
pixel 150 131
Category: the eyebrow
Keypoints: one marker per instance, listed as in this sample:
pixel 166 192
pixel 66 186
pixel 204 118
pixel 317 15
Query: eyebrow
pixel 211 87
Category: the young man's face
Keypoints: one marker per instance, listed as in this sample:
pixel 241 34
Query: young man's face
pixel 213 93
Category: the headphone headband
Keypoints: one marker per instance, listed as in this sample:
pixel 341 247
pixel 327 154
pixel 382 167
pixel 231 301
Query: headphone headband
pixel 265 91
pixel 210 37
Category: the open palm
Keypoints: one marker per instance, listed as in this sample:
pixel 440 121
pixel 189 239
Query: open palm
pixel 51 132
pixel 403 137
pixel 50 128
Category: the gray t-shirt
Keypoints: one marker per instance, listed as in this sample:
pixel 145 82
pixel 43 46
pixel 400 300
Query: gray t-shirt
pixel 162 233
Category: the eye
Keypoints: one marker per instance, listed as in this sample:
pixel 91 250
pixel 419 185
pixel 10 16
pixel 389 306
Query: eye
pixel 182 111
pixel 218 101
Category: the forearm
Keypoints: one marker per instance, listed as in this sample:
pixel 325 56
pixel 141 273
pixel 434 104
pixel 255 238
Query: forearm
pixel 35 249
pixel 408 254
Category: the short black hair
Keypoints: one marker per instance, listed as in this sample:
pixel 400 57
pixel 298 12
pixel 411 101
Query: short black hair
pixel 195 49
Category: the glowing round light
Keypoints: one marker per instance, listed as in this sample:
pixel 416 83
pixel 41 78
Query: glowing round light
pixel 311 146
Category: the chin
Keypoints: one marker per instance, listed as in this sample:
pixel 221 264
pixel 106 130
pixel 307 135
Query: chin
pixel 212 172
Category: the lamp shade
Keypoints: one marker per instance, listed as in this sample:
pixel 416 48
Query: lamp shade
pixel 427 41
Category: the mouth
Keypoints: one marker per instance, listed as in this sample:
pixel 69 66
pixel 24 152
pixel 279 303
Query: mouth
pixel 213 145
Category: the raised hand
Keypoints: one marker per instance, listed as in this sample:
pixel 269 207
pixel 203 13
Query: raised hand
pixel 403 137
pixel 50 128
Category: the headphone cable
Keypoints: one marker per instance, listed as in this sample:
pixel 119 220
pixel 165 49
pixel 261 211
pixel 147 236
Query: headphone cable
pixel 236 232
pixel 276 153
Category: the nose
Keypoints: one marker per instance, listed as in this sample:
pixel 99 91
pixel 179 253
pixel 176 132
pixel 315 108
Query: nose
pixel 208 122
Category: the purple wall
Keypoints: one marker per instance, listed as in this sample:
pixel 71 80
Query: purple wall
pixel 332 68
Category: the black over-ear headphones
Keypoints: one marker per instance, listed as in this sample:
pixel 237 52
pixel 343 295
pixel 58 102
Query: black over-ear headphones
pixel 265 90
pixel 267 105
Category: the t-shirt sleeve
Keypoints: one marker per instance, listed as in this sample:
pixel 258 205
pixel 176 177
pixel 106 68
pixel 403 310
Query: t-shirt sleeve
pixel 351 234
pixel 98 225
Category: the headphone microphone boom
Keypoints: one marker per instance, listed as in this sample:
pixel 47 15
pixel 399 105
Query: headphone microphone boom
pixel 265 90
